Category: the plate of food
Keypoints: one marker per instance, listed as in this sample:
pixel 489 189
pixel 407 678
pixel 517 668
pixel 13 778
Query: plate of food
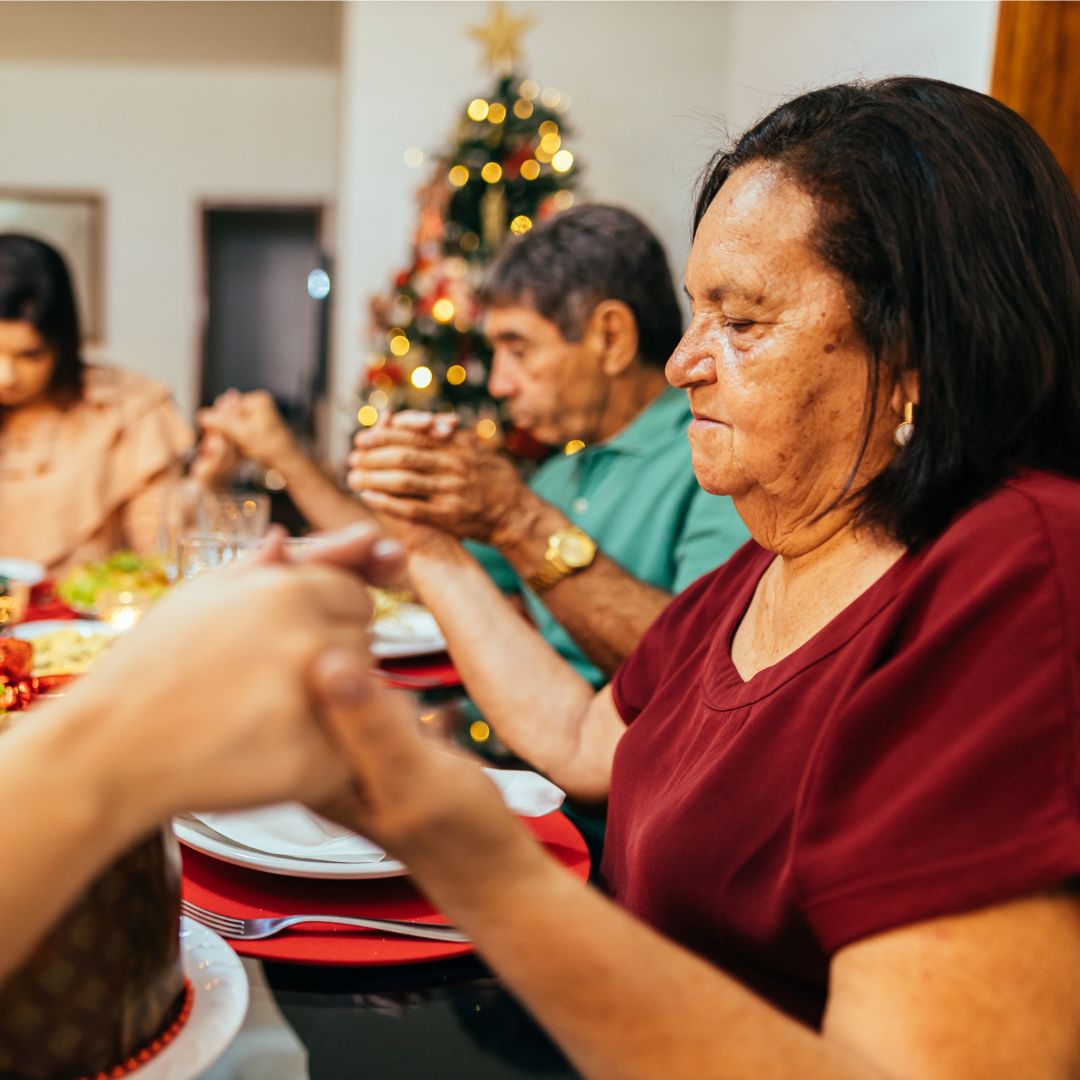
pixel 65 646
pixel 400 627
pixel 86 588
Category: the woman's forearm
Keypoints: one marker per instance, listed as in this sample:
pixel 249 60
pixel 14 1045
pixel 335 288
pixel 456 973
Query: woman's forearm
pixel 621 1000
pixel 315 495
pixel 534 699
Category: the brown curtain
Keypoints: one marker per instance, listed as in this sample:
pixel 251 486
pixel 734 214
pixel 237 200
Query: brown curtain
pixel 1037 72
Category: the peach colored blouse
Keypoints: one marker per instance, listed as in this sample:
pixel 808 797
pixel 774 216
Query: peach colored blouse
pixel 78 484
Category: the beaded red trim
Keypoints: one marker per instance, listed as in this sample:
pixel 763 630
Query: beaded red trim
pixel 153 1048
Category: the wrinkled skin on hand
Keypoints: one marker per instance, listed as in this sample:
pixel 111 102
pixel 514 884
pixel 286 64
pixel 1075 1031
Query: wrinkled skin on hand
pixel 412 469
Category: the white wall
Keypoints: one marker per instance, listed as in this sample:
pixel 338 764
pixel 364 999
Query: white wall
pixel 157 141
pixel 654 86
pixel 779 49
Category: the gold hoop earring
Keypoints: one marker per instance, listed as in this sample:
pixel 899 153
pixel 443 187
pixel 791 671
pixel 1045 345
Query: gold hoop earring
pixel 904 431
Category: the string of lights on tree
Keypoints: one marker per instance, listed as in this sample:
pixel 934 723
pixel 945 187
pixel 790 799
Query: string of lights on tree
pixel 508 166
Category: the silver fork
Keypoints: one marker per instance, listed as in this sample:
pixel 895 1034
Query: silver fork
pixel 254 929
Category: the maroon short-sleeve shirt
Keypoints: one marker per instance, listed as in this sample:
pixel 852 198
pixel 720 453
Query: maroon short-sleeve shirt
pixel 917 757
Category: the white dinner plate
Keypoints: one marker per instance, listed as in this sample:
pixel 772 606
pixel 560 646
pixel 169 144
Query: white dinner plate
pixel 197 836
pixel 29 573
pixel 83 627
pixel 410 631
pixel 218 1009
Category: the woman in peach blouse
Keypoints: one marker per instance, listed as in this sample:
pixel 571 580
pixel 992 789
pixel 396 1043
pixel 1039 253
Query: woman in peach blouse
pixel 86 452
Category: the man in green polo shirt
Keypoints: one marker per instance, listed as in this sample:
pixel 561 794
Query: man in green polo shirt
pixel 582 316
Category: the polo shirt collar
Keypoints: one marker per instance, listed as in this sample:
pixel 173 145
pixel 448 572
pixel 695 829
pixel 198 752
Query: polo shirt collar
pixel 668 413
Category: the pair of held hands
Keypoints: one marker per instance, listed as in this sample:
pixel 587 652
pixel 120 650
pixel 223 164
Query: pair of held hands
pixel 254 685
pixel 239 427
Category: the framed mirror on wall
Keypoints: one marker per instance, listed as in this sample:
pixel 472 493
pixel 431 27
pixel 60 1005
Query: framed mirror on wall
pixel 74 223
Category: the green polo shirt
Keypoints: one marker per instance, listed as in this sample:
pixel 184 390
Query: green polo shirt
pixel 636 495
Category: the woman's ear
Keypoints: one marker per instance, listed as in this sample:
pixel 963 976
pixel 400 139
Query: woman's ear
pixel 613 329
pixel 905 390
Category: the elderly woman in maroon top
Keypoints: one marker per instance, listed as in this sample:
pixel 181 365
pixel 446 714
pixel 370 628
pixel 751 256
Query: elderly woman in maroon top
pixel 841 770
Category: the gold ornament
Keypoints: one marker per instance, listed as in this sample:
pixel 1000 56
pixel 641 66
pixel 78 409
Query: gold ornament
pixel 493 216
pixel 499 37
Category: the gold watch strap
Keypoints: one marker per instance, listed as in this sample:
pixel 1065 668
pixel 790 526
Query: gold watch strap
pixel 548 575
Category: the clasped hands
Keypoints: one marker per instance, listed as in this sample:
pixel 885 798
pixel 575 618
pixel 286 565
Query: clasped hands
pixel 255 685
pixel 420 470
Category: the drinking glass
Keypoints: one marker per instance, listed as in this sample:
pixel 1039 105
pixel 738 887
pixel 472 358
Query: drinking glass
pixel 201 553
pixel 239 515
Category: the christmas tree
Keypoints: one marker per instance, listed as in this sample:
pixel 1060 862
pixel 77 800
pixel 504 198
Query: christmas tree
pixel 507 167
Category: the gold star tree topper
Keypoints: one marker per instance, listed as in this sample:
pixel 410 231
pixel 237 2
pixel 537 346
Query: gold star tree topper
pixel 500 37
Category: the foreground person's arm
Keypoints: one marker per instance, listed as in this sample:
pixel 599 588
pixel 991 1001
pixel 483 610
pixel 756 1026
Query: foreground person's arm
pixel 990 993
pixel 539 705
pixel 252 425
pixel 185 713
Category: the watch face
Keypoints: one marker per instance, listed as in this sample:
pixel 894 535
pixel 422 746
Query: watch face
pixel 576 551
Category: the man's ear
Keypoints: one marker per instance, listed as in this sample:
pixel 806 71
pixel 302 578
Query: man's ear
pixel 613 331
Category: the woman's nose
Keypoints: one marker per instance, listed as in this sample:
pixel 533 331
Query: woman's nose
pixel 7 372
pixel 690 363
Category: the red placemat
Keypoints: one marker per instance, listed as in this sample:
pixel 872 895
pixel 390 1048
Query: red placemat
pixel 431 672
pixel 45 604
pixel 233 890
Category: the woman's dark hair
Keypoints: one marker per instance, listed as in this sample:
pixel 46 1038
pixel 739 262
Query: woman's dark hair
pixel 565 267
pixel 35 287
pixel 958 236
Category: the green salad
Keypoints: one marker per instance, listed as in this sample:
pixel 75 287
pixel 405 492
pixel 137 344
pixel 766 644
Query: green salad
pixel 123 570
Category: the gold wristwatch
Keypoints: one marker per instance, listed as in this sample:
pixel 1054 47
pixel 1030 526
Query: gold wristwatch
pixel 569 551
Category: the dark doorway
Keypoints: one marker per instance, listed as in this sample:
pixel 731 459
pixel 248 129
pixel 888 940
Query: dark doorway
pixel 266 289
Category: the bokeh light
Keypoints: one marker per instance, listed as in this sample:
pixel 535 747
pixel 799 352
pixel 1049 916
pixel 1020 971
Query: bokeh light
pixel 399 344
pixel 497 113
pixel 574 446
pixel 530 170
pixel 421 377
pixel 458 176
pixel 367 415
pixel 492 172
pixel 455 374
pixel 486 428
pixel 521 224
pixel 443 310
pixel 413 157
pixel 563 161
pixel 478 109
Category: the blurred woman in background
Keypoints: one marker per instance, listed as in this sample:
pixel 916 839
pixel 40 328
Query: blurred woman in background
pixel 85 450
